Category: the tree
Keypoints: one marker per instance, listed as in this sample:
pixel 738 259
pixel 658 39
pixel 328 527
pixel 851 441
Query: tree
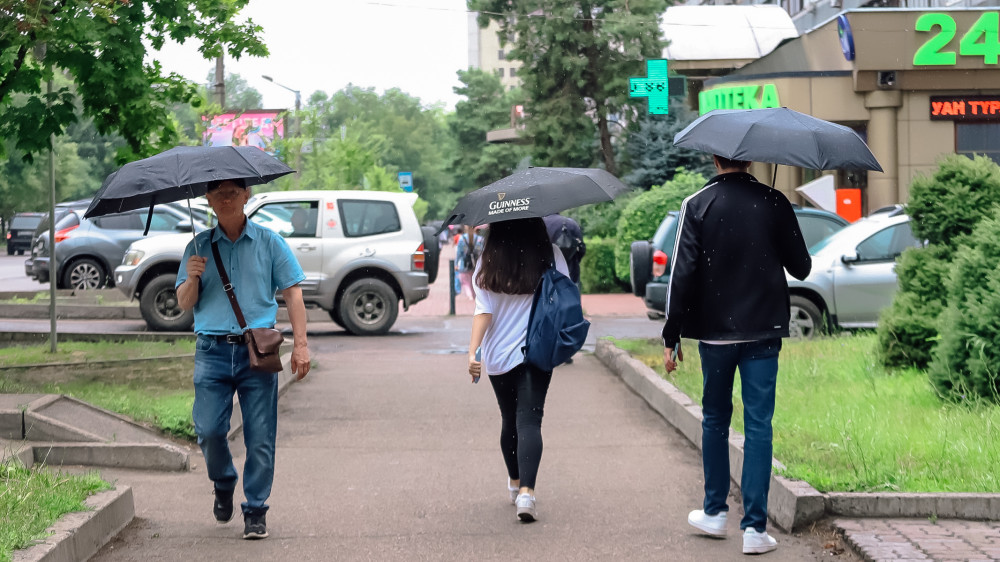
pixel 577 56
pixel 651 152
pixel 486 107
pixel 100 44
pixel 240 96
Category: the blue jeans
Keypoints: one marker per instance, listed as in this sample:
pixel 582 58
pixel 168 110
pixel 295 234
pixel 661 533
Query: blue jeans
pixel 758 365
pixel 220 370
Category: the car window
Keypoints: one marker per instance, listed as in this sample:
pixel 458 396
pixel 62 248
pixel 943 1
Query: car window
pixel 815 228
pixel 366 218
pixel 887 244
pixel 163 220
pixel 68 220
pixel 25 223
pixel 291 219
pixel 124 221
pixel 665 234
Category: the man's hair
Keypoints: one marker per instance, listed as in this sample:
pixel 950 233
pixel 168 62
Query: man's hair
pixel 213 185
pixel 726 163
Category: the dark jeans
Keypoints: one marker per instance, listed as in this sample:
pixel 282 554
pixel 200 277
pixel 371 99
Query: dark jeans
pixel 758 365
pixel 221 370
pixel 521 396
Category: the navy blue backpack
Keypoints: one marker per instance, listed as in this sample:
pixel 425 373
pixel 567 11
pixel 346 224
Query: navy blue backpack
pixel 556 327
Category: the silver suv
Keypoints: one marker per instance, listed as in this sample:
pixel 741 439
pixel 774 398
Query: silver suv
pixel 853 274
pixel 362 252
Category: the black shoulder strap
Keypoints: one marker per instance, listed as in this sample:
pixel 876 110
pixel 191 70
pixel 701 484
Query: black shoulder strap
pixel 226 284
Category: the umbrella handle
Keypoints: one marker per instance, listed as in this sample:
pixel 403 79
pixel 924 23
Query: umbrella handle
pixel 194 238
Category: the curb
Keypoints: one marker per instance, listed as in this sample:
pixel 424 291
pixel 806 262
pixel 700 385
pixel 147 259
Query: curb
pixel 79 535
pixel 43 337
pixel 792 504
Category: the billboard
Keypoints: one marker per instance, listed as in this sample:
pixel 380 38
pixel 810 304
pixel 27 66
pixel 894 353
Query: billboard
pixel 254 127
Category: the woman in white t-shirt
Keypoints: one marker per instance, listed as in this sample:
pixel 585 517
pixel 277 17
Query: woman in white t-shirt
pixel 515 256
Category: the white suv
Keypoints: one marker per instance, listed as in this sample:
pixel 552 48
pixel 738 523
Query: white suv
pixel 362 253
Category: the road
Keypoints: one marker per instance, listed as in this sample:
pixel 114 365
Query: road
pixel 12 277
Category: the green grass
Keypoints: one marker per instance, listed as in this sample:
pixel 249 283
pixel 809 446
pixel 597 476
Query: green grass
pixel 74 352
pixel 31 500
pixel 842 423
pixel 159 394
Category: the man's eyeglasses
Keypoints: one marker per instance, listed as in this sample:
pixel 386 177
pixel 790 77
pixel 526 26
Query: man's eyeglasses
pixel 226 194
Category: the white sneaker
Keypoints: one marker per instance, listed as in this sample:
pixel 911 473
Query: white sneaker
pixel 757 543
pixel 512 490
pixel 526 508
pixel 714 525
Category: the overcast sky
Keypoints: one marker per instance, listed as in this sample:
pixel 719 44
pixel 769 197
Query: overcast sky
pixel 415 45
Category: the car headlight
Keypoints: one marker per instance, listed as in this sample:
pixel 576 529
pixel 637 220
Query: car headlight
pixel 133 257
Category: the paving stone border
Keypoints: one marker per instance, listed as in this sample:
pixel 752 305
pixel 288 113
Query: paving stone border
pixel 79 535
pixel 792 504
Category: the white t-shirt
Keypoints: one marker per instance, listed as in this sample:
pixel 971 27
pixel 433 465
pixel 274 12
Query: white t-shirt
pixel 506 334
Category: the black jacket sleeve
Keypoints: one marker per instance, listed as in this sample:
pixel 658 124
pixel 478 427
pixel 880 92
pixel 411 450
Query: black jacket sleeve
pixel 683 273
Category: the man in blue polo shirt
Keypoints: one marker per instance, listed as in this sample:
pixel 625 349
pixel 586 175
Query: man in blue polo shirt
pixel 258 262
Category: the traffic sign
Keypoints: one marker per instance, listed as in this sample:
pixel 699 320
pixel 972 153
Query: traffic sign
pixel 405 181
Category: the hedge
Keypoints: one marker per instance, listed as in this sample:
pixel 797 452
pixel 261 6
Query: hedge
pixel 597 268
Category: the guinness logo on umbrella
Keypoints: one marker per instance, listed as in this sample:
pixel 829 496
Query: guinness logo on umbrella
pixel 500 196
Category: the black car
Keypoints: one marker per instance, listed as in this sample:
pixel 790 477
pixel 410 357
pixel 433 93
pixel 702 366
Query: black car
pixel 650 259
pixel 22 231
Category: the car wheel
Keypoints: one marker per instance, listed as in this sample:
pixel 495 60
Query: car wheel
pixel 85 274
pixel 806 320
pixel 368 307
pixel 640 266
pixel 20 252
pixel 335 316
pixel 10 251
pixel 432 253
pixel 160 309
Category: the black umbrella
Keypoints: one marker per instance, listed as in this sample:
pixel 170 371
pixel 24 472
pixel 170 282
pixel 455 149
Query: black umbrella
pixel 181 173
pixel 535 192
pixel 779 136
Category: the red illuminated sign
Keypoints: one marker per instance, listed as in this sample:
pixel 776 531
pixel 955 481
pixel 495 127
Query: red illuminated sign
pixel 965 108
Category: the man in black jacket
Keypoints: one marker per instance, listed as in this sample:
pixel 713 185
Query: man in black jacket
pixel 728 290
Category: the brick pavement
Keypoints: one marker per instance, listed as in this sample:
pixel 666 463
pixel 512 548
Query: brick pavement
pixel 943 540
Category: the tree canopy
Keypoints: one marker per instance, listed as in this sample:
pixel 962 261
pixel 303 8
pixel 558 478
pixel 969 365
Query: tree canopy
pixel 101 45
pixel 577 57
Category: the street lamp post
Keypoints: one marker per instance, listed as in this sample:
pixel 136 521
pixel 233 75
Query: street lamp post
pixel 298 102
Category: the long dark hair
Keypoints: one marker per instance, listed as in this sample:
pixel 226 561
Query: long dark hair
pixel 516 254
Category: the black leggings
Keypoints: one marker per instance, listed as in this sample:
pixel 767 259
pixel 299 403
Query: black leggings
pixel 521 396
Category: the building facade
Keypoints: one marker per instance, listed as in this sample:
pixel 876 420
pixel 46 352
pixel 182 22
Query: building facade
pixel 487 53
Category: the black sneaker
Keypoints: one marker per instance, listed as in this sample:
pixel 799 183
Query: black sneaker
pixel 223 508
pixel 254 526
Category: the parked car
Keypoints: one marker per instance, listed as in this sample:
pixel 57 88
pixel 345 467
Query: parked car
pixel 362 252
pixel 20 232
pixel 88 249
pixel 649 260
pixel 43 227
pixel 853 274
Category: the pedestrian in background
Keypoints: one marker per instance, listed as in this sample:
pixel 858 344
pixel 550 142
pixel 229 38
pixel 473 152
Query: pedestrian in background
pixel 467 251
pixel 728 290
pixel 258 263
pixel 567 235
pixel 516 254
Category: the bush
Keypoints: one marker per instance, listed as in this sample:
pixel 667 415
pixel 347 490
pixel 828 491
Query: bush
pixel 597 268
pixel 967 357
pixel 907 330
pixel 645 212
pixel 600 220
pixel 949 204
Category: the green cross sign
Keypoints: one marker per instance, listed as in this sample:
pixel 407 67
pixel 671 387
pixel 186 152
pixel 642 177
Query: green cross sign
pixel 654 86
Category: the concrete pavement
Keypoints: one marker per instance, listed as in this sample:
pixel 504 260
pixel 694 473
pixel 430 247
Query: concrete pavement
pixel 387 452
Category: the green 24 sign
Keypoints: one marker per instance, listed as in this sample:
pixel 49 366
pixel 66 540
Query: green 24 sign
pixel 980 40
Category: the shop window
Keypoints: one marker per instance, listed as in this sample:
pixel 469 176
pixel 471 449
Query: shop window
pixel 978 138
